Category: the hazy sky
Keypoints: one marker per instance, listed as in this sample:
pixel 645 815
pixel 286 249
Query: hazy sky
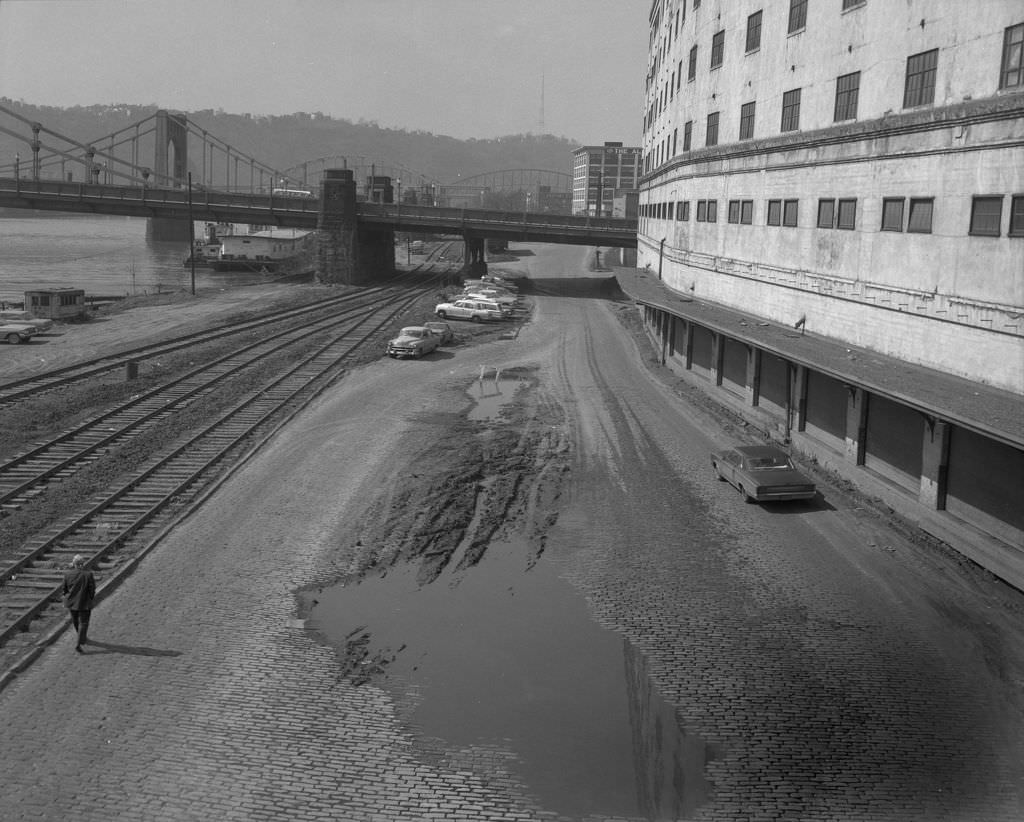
pixel 465 68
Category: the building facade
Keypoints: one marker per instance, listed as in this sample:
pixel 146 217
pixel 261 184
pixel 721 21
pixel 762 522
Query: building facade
pixel 854 169
pixel 598 172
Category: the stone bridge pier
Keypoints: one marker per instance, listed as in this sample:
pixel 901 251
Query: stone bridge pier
pixel 473 255
pixel 349 253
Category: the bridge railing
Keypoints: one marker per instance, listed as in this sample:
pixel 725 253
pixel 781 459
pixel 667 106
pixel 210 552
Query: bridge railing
pixel 478 216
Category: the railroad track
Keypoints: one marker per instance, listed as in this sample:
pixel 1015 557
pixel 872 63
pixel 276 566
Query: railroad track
pixel 27 387
pixel 116 524
pixel 152 497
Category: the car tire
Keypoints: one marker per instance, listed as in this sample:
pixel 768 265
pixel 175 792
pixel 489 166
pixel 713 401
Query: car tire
pixel 718 473
pixel 443 315
pixel 13 339
pixel 475 318
pixel 746 497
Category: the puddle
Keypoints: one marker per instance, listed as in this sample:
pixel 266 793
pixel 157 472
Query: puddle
pixel 505 655
pixel 492 392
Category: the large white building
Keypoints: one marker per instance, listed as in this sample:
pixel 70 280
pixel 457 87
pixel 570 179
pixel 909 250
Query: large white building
pixel 855 167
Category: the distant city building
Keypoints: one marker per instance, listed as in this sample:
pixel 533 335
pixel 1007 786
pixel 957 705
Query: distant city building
pixel 854 168
pixel 598 172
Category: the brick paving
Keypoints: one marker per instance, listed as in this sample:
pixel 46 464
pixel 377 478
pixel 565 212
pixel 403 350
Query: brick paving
pixel 202 700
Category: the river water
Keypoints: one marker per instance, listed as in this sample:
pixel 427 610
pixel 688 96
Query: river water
pixel 107 256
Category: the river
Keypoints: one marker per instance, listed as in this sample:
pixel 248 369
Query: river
pixel 107 256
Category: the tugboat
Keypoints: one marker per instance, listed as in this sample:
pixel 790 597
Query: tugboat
pixel 262 251
pixel 207 249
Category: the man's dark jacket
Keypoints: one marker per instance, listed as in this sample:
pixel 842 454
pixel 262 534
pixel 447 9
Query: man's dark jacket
pixel 79 589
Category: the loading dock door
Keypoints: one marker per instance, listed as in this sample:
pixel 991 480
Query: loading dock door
pixel 893 441
pixel 825 410
pixel 985 478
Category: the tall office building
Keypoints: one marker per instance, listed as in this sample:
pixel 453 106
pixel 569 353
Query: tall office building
pixel 853 168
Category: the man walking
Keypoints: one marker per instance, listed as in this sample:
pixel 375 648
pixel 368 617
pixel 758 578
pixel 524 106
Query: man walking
pixel 79 592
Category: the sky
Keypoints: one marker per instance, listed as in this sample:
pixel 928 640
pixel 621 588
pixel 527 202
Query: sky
pixel 462 68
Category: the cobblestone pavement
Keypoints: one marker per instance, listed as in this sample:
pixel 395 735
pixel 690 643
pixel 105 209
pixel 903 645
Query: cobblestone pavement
pixel 820 670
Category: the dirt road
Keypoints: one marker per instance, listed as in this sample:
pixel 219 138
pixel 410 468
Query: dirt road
pixel 650 646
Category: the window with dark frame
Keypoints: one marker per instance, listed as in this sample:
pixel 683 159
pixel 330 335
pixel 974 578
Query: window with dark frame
pixel 797 15
pixel 747 120
pixel 691 69
pixel 774 212
pixel 711 137
pixel 1016 216
pixel 747 212
pixel 702 211
pixel 687 135
pixel 919 219
pixel 846 214
pixel 919 88
pixel 754 32
pixel 892 214
pixel 986 216
pixel 847 89
pixel 717 48
pixel 826 213
pixel 686 210
pixel 851 4
pixel 734 211
pixel 1011 70
pixel 791 110
pixel 671 211
pixel 679 210
pixel 712 211
pixel 789 212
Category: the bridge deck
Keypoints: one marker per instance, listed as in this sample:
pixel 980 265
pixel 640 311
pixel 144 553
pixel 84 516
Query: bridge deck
pixel 294 212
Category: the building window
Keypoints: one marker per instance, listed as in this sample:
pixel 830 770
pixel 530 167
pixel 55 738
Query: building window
pixel 1011 72
pixel 826 213
pixel 747 212
pixel 892 214
pixel 691 69
pixel 717 49
pixel 797 15
pixel 734 211
pixel 679 210
pixel 847 88
pixel 671 211
pixel 791 110
pixel 920 219
pixel 1017 216
pixel 712 211
pixel 850 4
pixel 789 212
pixel 675 134
pixel 696 4
pixel 846 215
pixel 687 135
pixel 686 210
pixel 986 216
pixel 702 211
pixel 754 32
pixel 775 212
pixel 919 89
pixel 747 120
pixel 712 132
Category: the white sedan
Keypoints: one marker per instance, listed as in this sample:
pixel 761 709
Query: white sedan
pixel 467 309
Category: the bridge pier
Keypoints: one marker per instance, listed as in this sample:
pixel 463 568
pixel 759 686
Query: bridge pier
pixel 473 255
pixel 347 253
pixel 164 228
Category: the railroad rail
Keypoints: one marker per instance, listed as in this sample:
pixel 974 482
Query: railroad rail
pixel 124 518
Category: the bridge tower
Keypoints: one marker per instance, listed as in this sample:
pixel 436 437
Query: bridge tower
pixel 170 161
pixel 349 253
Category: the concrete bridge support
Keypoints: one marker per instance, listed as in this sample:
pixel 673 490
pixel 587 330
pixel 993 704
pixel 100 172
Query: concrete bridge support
pixel 473 255
pixel 349 254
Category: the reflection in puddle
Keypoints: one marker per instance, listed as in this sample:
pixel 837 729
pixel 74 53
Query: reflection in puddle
pixel 492 392
pixel 499 655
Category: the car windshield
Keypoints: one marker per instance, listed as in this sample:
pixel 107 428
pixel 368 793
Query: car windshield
pixel 768 461
pixel 412 332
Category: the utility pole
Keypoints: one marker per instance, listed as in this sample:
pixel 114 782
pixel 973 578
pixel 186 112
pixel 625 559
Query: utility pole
pixel 191 235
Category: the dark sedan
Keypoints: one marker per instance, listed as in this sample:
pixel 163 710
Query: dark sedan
pixel 762 473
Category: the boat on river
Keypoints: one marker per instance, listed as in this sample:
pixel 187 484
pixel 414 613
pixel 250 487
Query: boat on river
pixel 208 247
pixel 263 251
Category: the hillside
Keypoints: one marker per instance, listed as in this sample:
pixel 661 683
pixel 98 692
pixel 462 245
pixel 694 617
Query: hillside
pixel 287 141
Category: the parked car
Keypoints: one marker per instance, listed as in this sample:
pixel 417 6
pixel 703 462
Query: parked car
pixel 505 304
pixel 23 317
pixel 16 333
pixel 762 473
pixel 443 330
pixel 466 309
pixel 413 341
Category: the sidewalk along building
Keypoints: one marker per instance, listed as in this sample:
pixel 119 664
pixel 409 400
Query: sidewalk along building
pixel 852 170
pixel 600 173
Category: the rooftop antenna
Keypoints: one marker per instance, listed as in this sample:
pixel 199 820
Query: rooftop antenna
pixel 541 103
